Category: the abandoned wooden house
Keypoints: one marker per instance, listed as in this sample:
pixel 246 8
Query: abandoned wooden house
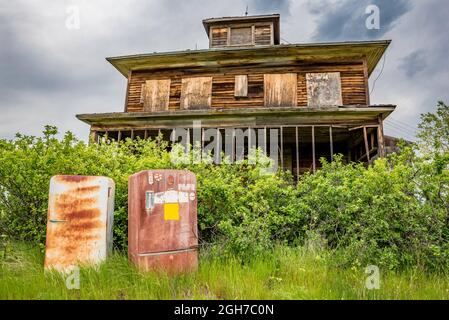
pixel 315 94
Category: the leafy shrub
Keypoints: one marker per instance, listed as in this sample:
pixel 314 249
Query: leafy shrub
pixel 388 214
pixel 392 214
pixel 27 164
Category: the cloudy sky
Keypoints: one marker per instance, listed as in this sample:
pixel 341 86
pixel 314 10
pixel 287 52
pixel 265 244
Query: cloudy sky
pixel 50 71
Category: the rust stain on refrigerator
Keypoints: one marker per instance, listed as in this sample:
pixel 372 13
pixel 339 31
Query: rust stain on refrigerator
pixel 162 220
pixel 80 217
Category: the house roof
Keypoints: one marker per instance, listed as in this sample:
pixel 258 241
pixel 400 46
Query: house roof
pixel 223 21
pixel 270 55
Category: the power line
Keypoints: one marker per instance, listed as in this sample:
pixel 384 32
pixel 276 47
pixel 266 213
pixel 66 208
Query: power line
pixel 401 132
pixel 378 76
pixel 285 40
pixel 404 123
pixel 408 132
pixel 406 128
pixel 401 135
pixel 399 127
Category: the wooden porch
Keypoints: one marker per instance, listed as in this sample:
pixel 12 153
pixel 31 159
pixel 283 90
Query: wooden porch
pixel 304 135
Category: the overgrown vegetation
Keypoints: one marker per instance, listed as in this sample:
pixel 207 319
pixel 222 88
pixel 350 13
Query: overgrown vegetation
pixel 284 273
pixel 393 214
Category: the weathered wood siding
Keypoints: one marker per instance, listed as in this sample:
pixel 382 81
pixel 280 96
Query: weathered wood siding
pixel 262 35
pixel 219 37
pixel 241 35
pixel 353 84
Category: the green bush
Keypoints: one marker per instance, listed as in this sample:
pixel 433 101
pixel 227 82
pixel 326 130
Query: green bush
pixel 27 164
pixel 392 214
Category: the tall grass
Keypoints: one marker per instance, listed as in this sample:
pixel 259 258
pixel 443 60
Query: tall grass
pixel 286 273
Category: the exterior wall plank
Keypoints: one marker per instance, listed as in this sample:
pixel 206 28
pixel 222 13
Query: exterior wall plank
pixel 262 35
pixel 219 37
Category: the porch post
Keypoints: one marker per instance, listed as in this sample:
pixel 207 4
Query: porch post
pixel 365 138
pixel 331 143
pixel 380 138
pixel 297 154
pixel 313 149
pixel 282 147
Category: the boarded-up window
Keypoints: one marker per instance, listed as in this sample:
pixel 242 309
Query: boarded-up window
pixel 241 36
pixel 219 37
pixel 262 35
pixel 241 86
pixel 196 93
pixel 324 89
pixel 155 95
pixel 280 90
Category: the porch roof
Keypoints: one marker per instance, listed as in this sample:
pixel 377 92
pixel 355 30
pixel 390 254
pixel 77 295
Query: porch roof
pixel 231 117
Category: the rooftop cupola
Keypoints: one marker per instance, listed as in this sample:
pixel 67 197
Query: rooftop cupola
pixel 261 30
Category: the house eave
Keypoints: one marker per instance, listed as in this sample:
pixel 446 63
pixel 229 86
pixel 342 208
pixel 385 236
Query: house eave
pixel 372 51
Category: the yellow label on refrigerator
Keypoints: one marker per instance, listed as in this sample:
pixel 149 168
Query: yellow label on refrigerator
pixel 171 211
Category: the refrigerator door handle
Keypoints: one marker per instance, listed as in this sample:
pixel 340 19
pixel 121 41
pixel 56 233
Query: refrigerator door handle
pixel 57 220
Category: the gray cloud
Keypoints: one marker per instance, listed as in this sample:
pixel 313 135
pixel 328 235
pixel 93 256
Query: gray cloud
pixel 414 63
pixel 49 74
pixel 269 6
pixel 345 20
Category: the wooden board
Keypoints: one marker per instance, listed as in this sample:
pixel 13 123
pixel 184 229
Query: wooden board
pixel 241 36
pixel 280 90
pixel 241 86
pixel 196 93
pixel 155 95
pixel 324 89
